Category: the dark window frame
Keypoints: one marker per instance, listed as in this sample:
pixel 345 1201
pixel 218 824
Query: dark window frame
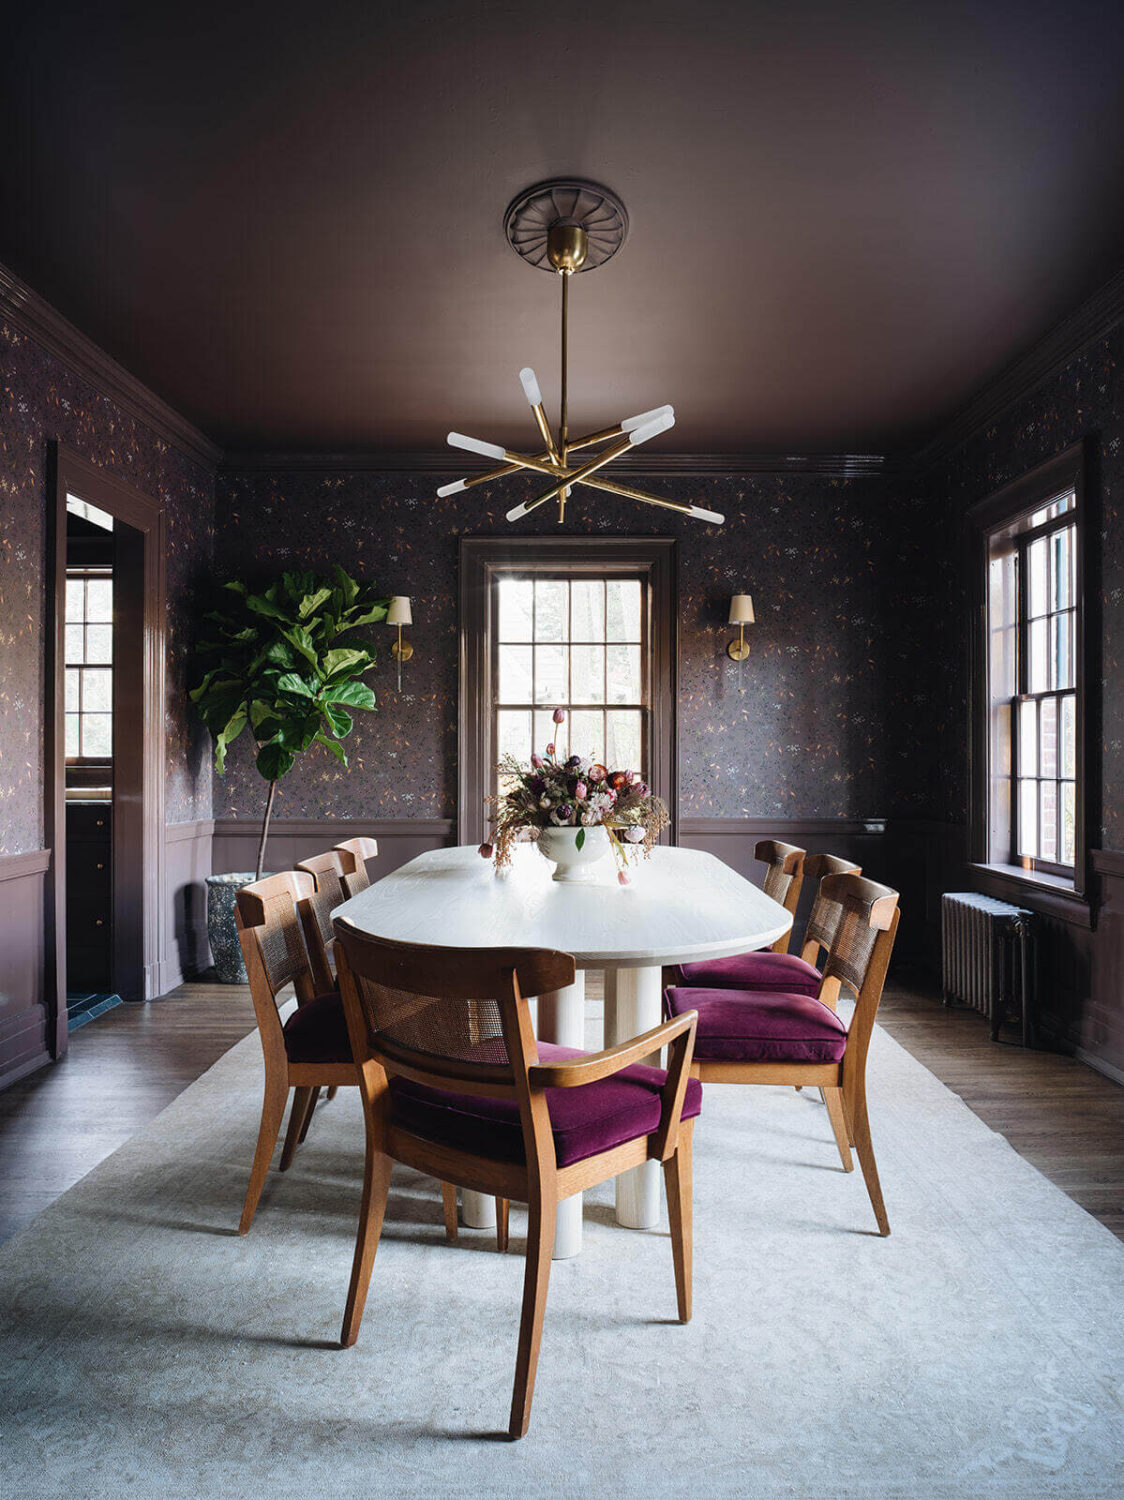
pixel 988 520
pixel 481 559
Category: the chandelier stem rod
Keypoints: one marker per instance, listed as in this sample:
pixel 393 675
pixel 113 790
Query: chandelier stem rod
pixel 563 426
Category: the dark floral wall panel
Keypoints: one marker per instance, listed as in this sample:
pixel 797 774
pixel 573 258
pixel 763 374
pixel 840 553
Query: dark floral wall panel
pixel 929 654
pixel 792 731
pixel 42 400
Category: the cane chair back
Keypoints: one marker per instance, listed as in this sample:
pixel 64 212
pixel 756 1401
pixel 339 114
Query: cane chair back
pixel 860 951
pixel 272 936
pixel 329 871
pixel 357 878
pixel 819 932
pixel 783 878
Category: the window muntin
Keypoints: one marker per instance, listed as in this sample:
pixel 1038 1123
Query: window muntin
pixel 572 641
pixel 89 665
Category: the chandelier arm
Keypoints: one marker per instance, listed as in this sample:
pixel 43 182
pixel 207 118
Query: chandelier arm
pixel 541 460
pixel 546 434
pixel 683 507
pixel 573 476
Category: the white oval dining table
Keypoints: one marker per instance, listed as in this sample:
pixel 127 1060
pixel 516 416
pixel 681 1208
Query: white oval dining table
pixel 682 905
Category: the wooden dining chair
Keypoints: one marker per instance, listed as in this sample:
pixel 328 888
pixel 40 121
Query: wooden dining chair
pixel 360 850
pixel 311 1049
pixel 758 1037
pixel 328 871
pixel 777 969
pixel 453 1083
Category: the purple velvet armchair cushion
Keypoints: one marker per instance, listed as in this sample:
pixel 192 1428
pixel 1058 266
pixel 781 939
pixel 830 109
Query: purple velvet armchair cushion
pixel 752 1026
pixel 586 1120
pixel 779 973
pixel 317 1031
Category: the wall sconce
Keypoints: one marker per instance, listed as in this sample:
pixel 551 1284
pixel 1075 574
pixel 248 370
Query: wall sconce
pixel 399 614
pixel 741 615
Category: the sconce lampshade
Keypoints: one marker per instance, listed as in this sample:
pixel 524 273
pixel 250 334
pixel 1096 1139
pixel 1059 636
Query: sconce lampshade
pixel 741 609
pixel 399 611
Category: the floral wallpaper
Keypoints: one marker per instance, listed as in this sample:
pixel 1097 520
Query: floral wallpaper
pixel 42 399
pixel 929 653
pixel 793 731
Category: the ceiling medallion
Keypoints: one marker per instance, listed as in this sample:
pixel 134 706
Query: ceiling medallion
pixel 569 226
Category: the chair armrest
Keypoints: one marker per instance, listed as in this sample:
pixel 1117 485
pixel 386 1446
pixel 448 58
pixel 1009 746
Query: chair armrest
pixel 594 1065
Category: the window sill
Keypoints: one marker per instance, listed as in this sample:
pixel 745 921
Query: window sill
pixel 1052 895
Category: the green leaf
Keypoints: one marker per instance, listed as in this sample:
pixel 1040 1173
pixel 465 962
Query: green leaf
pixel 281 654
pixel 291 683
pixel 236 588
pixel 299 637
pixel 369 615
pixel 225 736
pixel 274 761
pixel 312 602
pixel 340 720
pixel 264 606
pixel 345 584
pixel 580 840
pixel 344 661
pixel 334 746
pixel 354 694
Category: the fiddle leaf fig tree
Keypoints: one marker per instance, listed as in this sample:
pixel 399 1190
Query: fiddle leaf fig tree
pixel 274 665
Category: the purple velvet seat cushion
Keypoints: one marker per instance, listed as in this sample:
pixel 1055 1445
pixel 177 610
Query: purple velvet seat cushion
pixel 779 973
pixel 585 1120
pixel 317 1031
pixel 752 1026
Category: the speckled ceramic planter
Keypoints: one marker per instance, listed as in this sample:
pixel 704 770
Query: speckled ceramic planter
pixel 222 934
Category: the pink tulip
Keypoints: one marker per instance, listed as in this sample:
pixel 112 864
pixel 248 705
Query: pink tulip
pixel 560 716
pixel 536 761
pixel 581 791
pixel 485 851
pixel 550 749
pixel 623 878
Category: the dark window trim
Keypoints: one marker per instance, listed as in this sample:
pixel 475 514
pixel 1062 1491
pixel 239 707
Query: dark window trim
pixel 480 558
pixel 1067 470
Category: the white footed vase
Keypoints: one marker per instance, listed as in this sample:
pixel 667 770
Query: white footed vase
pixel 574 866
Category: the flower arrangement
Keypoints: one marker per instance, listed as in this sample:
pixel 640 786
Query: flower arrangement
pixel 573 793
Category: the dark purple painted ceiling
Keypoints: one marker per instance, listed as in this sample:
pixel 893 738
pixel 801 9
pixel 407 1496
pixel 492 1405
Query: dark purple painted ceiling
pixel 287 220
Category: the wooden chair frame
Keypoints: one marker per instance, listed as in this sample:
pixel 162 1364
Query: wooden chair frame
pixel 508 976
pixel 816 867
pixel 360 850
pixel 329 873
pixel 843 1084
pixel 785 859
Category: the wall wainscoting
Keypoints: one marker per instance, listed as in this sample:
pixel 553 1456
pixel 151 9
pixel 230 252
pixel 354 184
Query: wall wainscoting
pixel 293 839
pixel 187 863
pixel 24 1019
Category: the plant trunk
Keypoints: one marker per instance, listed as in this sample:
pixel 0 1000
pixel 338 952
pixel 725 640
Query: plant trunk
pixel 265 830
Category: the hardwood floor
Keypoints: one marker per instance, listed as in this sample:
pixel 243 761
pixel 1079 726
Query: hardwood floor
pixel 123 1068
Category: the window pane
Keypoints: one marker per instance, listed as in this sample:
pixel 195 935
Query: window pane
pixel 513 733
pixel 1048 820
pixel 72 734
pixel 1061 649
pixel 1028 817
pixel 75 599
pixel 515 610
pixel 1048 737
pixel 99 642
pixel 547 732
pixel 515 674
pixel 1028 739
pixel 587 733
pixel 587 674
pixel 99 600
pixel 97 735
pixel 75 644
pixel 622 609
pixel 1069 736
pixel 1036 576
pixel 587 609
pixel 1036 667
pixel 624 674
pixel 551 610
pixel 1069 824
pixel 72 701
pixel 1060 544
pixel 550 674
pixel 623 734
pixel 97 691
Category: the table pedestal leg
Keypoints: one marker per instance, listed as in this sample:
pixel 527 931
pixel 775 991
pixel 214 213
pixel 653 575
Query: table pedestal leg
pixel 634 1004
pixel 561 1019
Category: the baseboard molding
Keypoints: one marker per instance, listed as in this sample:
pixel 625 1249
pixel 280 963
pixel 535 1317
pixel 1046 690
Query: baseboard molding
pixel 181 833
pixel 1099 1064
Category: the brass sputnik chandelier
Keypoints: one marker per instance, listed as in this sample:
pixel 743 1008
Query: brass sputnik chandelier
pixel 567 226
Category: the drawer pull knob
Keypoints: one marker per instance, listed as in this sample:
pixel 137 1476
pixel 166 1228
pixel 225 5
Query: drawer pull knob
pixel 99 923
pixel 100 866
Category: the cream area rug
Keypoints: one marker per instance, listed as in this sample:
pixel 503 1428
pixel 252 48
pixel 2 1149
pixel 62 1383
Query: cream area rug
pixel 146 1351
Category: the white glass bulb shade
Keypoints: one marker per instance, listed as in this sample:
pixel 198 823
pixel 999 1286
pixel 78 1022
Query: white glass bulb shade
pixel 453 489
pixel 399 611
pixel 708 515
pixel 653 428
pixel 518 513
pixel 474 445
pixel 631 423
pixel 741 609
pixel 531 386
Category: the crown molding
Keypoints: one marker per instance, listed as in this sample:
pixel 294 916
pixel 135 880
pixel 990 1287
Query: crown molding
pixel 441 461
pixel 1092 321
pixel 35 317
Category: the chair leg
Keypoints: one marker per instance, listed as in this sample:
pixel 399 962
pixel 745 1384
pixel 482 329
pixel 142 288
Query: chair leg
pixel 376 1185
pixel 298 1119
pixel 502 1207
pixel 308 1116
pixel 833 1098
pixel 272 1111
pixel 541 1217
pixel 449 1205
pixel 333 1090
pixel 864 1149
pixel 677 1178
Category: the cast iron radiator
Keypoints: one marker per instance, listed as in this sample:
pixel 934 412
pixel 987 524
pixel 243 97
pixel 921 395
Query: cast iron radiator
pixel 987 958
